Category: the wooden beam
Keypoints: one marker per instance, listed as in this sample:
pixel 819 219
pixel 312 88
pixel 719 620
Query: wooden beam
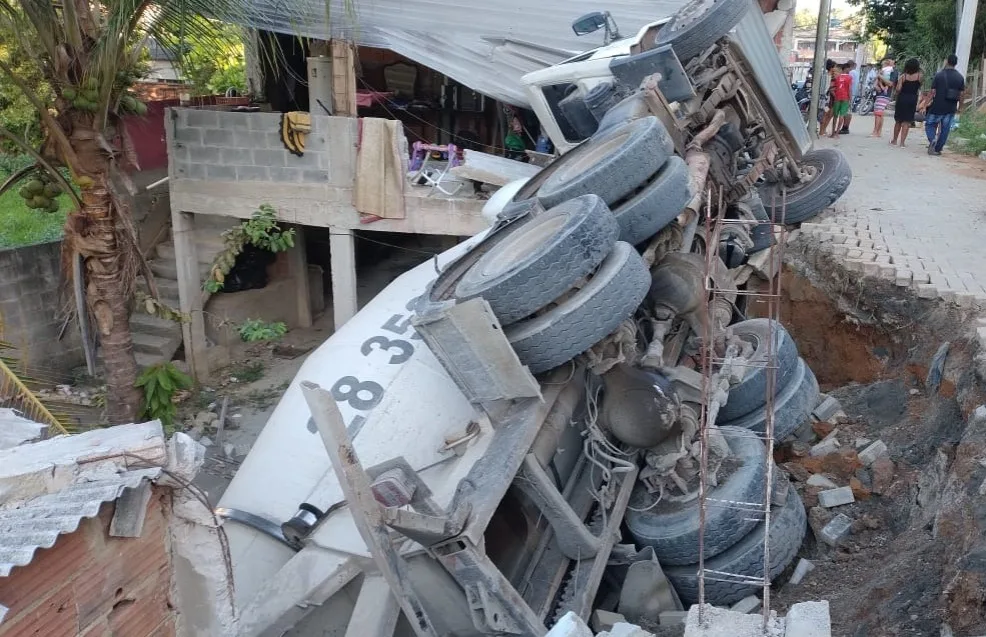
pixel 298 269
pixel 343 78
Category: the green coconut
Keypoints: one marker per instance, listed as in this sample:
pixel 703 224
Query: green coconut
pixel 52 190
pixel 140 108
pixel 52 205
pixel 25 193
pixel 39 201
pixel 35 186
pixel 69 93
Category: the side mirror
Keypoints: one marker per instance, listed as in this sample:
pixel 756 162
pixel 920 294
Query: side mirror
pixel 589 23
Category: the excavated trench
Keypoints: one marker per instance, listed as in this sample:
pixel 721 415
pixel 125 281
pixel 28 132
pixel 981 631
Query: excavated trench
pixel 915 560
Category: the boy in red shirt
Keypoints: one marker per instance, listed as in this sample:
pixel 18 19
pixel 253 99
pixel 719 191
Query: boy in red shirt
pixel 843 90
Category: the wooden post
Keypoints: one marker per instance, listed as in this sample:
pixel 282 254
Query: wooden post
pixel 342 259
pixel 298 269
pixel 343 79
pixel 190 294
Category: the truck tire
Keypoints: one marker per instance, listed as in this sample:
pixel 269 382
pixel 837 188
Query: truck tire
pixel 654 207
pixel 542 259
pixel 787 531
pixel 751 393
pixel 627 110
pixel 792 406
pixel 591 314
pixel 673 530
pixel 612 164
pixel 804 201
pixel 699 24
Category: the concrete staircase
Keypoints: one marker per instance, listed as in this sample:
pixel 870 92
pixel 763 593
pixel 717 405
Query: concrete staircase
pixel 156 339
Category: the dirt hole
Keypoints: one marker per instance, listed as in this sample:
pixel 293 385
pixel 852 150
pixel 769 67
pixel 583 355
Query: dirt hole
pixel 913 561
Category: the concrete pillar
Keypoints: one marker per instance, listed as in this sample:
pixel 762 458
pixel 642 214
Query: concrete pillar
pixel 190 294
pixel 963 45
pixel 298 270
pixel 342 259
pixel 320 86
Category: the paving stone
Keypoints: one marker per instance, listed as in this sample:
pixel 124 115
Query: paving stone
pixel 904 278
pixel 801 571
pixel 808 619
pixel 836 530
pixel 927 291
pixel 873 451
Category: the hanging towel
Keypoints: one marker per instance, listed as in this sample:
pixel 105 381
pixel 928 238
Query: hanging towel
pixel 381 164
pixel 295 127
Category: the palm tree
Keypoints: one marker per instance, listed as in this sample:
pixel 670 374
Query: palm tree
pixel 89 54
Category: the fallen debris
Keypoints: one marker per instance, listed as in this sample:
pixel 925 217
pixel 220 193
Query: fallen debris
pixel 935 369
pixel 836 530
pixel 819 480
pixel 750 604
pixel 801 571
pixel 825 447
pixel 836 497
pixel 830 410
pixel 808 619
pixel 869 455
pixel 603 620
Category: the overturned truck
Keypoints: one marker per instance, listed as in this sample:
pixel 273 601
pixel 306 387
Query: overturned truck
pixel 514 428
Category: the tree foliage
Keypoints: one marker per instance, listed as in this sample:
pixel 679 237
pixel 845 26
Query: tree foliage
pixel 920 28
pixel 209 68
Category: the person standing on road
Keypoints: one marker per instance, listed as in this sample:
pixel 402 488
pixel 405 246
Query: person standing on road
pixel 853 95
pixel 843 90
pixel 884 83
pixel 946 93
pixel 827 95
pixel 908 86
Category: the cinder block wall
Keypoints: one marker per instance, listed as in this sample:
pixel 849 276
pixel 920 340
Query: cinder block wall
pixel 31 301
pixel 230 146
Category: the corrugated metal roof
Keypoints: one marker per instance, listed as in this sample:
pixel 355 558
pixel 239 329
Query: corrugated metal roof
pixel 487 46
pixel 37 523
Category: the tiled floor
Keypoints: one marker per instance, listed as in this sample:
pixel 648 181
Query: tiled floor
pixel 908 217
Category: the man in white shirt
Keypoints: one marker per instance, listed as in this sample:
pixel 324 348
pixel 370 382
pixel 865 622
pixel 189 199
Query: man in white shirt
pixel 853 92
pixel 871 76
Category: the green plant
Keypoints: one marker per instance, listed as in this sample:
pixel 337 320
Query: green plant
pixel 252 330
pixel 248 372
pixel 160 383
pixel 261 230
pixel 970 135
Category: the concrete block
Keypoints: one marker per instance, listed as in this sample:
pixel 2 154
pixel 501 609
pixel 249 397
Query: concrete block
pixel 267 157
pixel 836 530
pixel 672 617
pixel 234 121
pixel 628 630
pixel 854 253
pixel 236 156
pixel 839 250
pixel 249 139
pixel 315 176
pixel 196 171
pixel 205 154
pixel 604 620
pixel 854 265
pixel 839 237
pixel 289 175
pixel 263 121
pixel 252 173
pixel 225 173
pixel 217 137
pixel 920 276
pixel 750 604
pixel 801 571
pixel 868 255
pixel 868 455
pixel 836 497
pixel 828 409
pixel 808 619
pixel 818 480
pixel 888 272
pixel 185 135
pixel 825 447
pixel 871 269
pixel 195 117
pixel 927 291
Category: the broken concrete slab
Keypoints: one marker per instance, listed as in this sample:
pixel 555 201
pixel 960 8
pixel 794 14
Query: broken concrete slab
pixel 490 169
pixel 646 592
pixel 628 630
pixel 836 497
pixel 828 410
pixel 836 530
pixel 719 622
pixel 808 619
pixel 672 617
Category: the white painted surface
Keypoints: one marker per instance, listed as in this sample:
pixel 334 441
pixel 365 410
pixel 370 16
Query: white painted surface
pixel 288 461
pixel 342 258
pixel 501 198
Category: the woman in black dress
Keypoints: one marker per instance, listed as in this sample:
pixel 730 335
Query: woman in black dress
pixel 908 87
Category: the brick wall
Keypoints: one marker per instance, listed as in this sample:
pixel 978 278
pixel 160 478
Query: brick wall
pixel 90 584
pixel 30 308
pixel 230 146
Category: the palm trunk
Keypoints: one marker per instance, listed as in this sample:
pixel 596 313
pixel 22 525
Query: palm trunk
pixel 92 231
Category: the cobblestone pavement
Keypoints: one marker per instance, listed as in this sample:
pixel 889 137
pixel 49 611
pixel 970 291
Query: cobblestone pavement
pixel 908 217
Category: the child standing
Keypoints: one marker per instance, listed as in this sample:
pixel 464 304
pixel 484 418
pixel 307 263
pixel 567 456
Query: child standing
pixel 843 92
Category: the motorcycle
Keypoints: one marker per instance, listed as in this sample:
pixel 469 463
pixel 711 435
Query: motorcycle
pixel 802 94
pixel 866 100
